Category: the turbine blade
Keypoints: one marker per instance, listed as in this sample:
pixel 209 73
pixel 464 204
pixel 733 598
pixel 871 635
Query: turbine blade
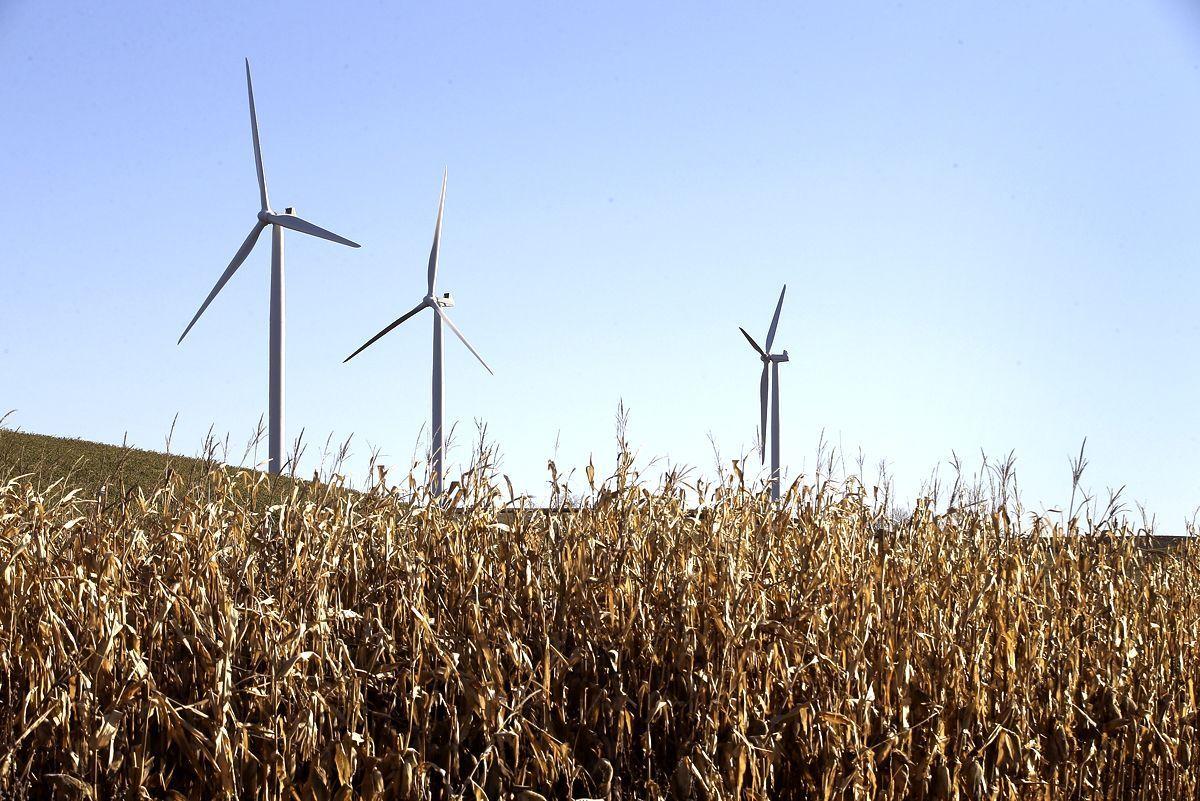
pixel 446 319
pixel 258 163
pixel 753 344
pixel 373 339
pixel 437 239
pixel 762 414
pixel 305 227
pixel 238 258
pixel 775 319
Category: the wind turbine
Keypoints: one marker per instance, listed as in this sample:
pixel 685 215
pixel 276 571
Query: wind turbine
pixel 277 222
pixel 770 376
pixel 439 305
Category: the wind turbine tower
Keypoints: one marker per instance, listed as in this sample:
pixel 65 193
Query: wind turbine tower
pixel 277 222
pixel 769 384
pixel 438 304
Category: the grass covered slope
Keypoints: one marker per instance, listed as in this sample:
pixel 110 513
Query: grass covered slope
pixel 77 464
pixel 365 646
pixel 88 465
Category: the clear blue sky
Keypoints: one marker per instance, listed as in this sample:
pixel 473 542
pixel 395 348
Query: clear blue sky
pixel 985 213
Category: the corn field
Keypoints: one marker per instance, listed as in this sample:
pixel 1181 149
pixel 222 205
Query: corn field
pixel 189 643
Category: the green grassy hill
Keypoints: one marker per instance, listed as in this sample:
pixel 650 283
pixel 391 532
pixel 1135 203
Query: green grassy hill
pixel 87 466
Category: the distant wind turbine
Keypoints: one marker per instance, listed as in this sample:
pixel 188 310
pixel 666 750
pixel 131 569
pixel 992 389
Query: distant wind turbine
pixel 438 305
pixel 277 222
pixel 770 377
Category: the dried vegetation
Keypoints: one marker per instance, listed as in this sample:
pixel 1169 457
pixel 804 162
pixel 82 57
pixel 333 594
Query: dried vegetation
pixel 184 643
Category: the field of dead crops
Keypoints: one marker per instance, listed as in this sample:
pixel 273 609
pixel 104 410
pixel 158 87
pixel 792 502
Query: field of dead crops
pixel 187 643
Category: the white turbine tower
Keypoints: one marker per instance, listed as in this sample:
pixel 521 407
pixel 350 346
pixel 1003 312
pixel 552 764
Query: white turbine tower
pixel 770 377
pixel 438 305
pixel 277 222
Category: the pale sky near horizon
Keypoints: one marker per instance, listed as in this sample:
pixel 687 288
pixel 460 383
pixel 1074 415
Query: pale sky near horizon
pixel 984 214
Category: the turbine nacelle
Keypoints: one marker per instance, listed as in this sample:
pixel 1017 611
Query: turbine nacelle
pixel 443 301
pixel 266 215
